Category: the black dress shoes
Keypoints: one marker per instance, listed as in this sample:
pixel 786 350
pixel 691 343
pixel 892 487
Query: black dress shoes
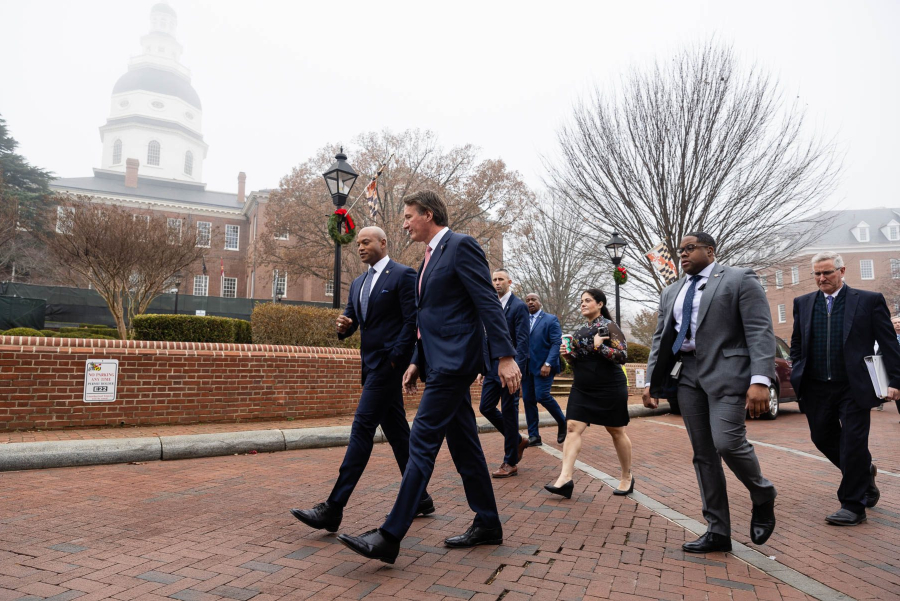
pixel 476 535
pixel 622 493
pixel 534 441
pixel 709 543
pixel 374 544
pixel 325 516
pixel 845 517
pixel 561 432
pixel 426 506
pixel 564 491
pixel 872 493
pixel 762 522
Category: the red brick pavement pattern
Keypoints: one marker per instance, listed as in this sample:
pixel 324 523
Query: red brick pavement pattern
pixel 218 528
pixel 862 562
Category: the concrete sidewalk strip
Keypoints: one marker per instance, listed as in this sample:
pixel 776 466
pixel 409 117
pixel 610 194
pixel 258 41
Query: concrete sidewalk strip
pixel 70 453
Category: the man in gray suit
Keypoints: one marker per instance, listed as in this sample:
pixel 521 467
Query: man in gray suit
pixel 715 336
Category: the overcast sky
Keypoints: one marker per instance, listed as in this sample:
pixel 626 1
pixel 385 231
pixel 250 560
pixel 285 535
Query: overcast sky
pixel 279 80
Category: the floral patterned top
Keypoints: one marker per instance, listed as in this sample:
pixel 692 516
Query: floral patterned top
pixel 615 349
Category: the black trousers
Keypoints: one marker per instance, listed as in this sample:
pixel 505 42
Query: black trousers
pixel 840 430
pixel 381 404
pixel 506 420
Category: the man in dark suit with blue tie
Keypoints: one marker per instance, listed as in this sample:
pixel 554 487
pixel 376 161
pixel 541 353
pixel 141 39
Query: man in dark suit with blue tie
pixel 543 365
pixel 382 305
pixel 835 328
pixel 506 420
pixel 457 304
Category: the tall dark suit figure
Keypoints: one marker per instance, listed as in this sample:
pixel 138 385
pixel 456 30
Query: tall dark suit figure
pixel 716 322
pixel 834 329
pixel 543 365
pixel 388 334
pixel 507 420
pixel 456 305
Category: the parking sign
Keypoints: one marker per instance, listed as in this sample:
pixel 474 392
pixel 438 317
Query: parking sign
pixel 100 377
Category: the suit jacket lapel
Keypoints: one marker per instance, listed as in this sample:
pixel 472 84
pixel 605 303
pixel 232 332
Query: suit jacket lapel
pixel 806 315
pixel 354 297
pixel 712 283
pixel 852 298
pixel 435 257
pixel 380 282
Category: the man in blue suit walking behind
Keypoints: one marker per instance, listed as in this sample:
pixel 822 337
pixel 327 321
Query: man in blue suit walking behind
pixel 506 420
pixel 543 365
pixel 382 305
pixel 457 304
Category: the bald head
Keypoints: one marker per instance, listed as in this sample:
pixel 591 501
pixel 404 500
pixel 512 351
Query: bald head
pixel 371 243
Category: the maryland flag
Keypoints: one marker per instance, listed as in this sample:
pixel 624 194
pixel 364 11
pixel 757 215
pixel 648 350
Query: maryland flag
pixel 661 259
pixel 372 196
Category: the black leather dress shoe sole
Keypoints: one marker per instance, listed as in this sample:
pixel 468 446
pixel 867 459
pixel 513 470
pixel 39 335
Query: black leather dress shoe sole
pixel 762 522
pixel 329 527
pixel 359 546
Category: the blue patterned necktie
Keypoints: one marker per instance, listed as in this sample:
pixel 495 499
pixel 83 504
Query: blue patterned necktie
pixel 687 312
pixel 367 289
pixel 533 319
pixel 829 300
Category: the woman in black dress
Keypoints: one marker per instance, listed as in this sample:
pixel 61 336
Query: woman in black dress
pixel 599 392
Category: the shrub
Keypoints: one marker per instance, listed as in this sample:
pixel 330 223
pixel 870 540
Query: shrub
pixel 185 328
pixel 48 333
pixel 22 332
pixel 298 325
pixel 242 331
pixel 637 353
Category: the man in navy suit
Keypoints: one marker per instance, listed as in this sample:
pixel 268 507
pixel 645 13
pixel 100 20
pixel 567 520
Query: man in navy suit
pixel 543 365
pixel 456 306
pixel 834 329
pixel 492 391
pixel 382 305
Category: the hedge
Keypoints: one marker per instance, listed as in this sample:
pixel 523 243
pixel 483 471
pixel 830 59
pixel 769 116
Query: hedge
pixel 22 332
pixel 298 325
pixel 637 353
pixel 189 328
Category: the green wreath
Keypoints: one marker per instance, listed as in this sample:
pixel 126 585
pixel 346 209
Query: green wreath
pixel 338 218
pixel 620 275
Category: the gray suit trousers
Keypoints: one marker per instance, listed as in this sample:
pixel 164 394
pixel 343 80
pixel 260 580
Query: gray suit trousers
pixel 717 431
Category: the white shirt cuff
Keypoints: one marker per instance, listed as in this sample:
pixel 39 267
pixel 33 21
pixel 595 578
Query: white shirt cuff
pixel 761 380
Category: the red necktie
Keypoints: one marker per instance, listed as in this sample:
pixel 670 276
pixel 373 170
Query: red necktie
pixel 422 277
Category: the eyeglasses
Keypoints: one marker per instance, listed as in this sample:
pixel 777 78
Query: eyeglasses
pixel 824 273
pixel 690 248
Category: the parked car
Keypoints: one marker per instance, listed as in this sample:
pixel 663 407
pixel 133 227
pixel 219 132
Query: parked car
pixel 780 391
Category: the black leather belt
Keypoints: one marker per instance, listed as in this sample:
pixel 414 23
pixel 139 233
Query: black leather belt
pixel 688 353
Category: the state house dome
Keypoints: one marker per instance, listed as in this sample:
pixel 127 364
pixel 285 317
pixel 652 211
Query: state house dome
pixel 150 79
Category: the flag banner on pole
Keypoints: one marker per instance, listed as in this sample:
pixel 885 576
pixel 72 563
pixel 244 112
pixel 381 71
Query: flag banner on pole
pixel 222 262
pixel 372 196
pixel 662 261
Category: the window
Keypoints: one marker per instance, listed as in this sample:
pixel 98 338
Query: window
pixel 893 233
pixel 201 285
pixel 64 217
pixel 188 163
pixel 232 233
pixel 174 225
pixel 145 219
pixel 895 269
pixel 204 233
pixel 279 284
pixel 782 314
pixel 153 153
pixel 863 234
pixel 779 279
pixel 329 288
pixel 764 280
pixel 867 269
pixel 229 287
pixel 795 275
pixel 281 237
pixel 117 152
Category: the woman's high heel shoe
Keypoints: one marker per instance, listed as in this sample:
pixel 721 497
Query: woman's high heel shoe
pixel 564 491
pixel 622 493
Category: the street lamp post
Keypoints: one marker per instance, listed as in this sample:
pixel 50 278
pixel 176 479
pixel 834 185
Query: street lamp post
pixel 177 286
pixel 340 178
pixel 615 248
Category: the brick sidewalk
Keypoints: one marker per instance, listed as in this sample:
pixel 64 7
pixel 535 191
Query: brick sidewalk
pixel 218 528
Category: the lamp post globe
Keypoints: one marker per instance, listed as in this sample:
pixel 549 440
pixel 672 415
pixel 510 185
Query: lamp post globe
pixel 339 178
pixel 615 248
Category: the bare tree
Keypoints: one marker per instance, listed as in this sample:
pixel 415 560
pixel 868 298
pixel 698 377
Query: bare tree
pixel 128 258
pixel 557 254
pixel 643 325
pixel 484 198
pixel 697 143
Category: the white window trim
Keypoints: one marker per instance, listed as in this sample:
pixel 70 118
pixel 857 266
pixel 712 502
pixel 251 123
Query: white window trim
pixel 764 281
pixel 329 284
pixel 60 212
pixel 782 314
pixel 170 221
pixel 205 280
pixel 280 278
pixel 795 275
pixel 779 279
pixel 158 162
pixel 237 238
pixel 872 264
pixel 895 269
pixel 208 234
pixel 225 281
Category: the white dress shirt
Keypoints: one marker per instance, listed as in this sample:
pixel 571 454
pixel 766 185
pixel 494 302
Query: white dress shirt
pixel 437 239
pixel 505 299
pixel 379 267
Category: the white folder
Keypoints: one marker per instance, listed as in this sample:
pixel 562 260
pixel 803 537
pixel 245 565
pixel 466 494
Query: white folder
pixel 877 372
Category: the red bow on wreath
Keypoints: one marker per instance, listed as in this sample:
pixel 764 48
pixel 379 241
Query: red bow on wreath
pixel 343 213
pixel 620 275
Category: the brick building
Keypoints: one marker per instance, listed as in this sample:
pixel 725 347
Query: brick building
pixel 869 242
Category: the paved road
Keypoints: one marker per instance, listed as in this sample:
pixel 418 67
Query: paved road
pixel 218 528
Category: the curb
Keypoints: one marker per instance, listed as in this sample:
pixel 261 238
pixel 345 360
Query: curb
pixel 71 453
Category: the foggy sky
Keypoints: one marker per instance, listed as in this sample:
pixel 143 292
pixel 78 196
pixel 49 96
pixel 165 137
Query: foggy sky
pixel 278 80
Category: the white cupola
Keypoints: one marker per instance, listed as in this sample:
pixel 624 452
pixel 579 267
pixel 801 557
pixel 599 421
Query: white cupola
pixel 155 114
